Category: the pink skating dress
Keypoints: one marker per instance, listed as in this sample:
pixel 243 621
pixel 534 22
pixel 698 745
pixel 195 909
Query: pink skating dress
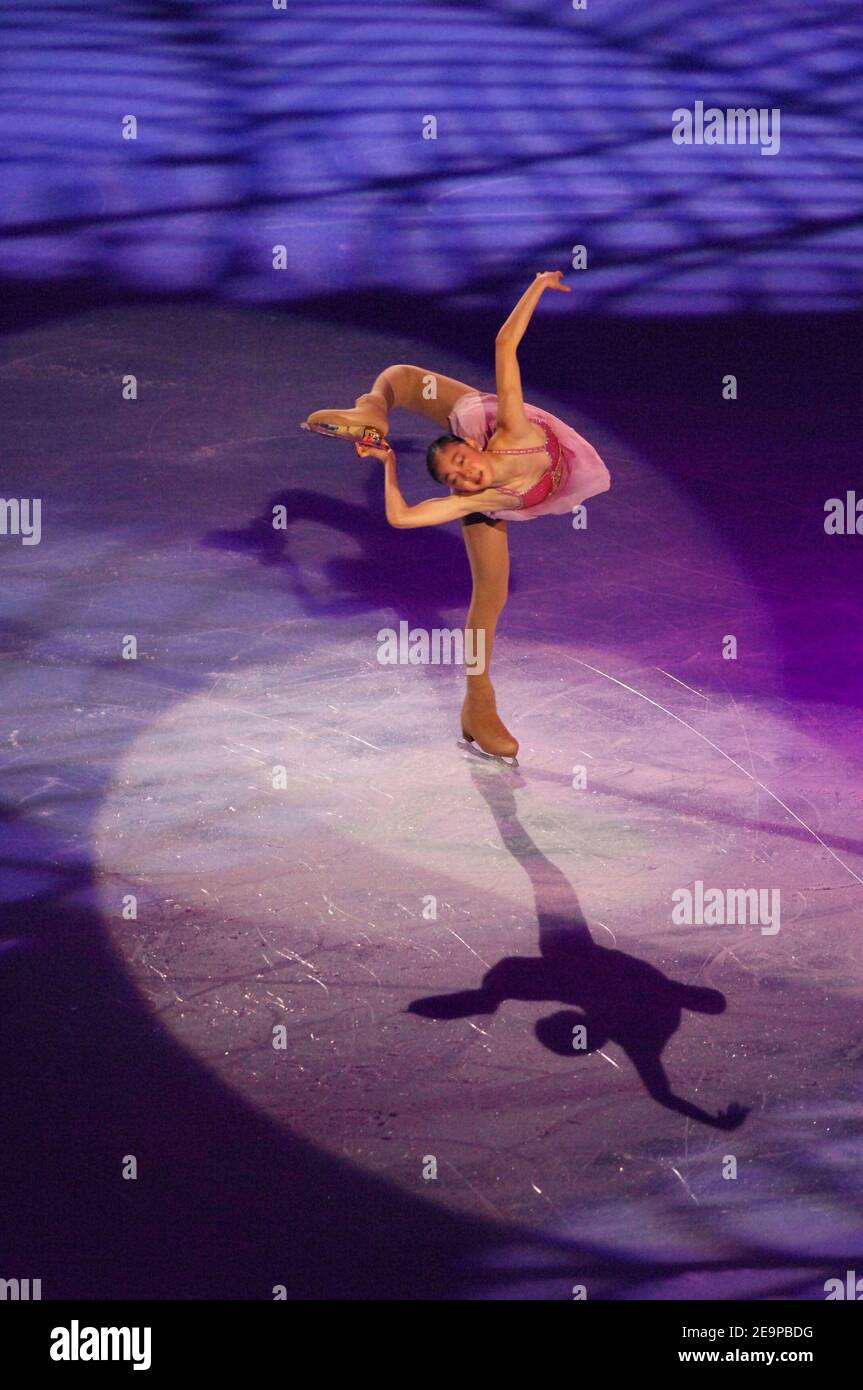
pixel 576 471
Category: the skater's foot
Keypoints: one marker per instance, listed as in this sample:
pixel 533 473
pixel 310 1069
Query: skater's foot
pixel 366 422
pixel 481 724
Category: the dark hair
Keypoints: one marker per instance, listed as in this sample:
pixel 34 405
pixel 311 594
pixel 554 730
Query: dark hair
pixel 435 448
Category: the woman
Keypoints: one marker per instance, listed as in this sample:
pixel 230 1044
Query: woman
pixel 502 460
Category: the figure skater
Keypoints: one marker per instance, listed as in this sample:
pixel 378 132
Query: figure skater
pixel 502 460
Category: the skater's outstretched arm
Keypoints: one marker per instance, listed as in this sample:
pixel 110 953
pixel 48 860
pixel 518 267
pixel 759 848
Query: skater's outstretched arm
pixel 652 1073
pixel 510 401
pixel 435 510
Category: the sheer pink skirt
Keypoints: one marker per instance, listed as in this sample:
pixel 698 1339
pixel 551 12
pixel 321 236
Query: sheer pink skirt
pixel 583 475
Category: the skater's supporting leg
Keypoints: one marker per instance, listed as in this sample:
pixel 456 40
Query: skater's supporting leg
pixel 488 553
pixel 487 548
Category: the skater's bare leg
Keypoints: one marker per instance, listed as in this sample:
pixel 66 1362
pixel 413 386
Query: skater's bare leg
pixel 412 388
pixel 488 553
pixel 433 395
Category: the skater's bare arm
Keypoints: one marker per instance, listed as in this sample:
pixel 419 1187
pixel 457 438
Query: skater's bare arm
pixel 510 401
pixel 435 510
pixel 513 330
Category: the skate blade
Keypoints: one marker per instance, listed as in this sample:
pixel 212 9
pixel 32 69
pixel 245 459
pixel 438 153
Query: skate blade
pixel 485 757
pixel 370 437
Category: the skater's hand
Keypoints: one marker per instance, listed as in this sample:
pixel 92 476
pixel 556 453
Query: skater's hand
pixel 384 453
pixel 552 280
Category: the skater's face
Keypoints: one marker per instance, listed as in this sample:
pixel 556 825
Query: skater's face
pixel 463 468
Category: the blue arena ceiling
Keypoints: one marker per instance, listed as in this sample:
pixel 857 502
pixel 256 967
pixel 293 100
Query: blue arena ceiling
pixel 305 127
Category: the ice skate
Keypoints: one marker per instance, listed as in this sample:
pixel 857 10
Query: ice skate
pixel 365 424
pixel 483 729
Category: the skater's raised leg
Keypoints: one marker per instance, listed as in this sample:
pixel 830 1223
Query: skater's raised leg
pixel 413 388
